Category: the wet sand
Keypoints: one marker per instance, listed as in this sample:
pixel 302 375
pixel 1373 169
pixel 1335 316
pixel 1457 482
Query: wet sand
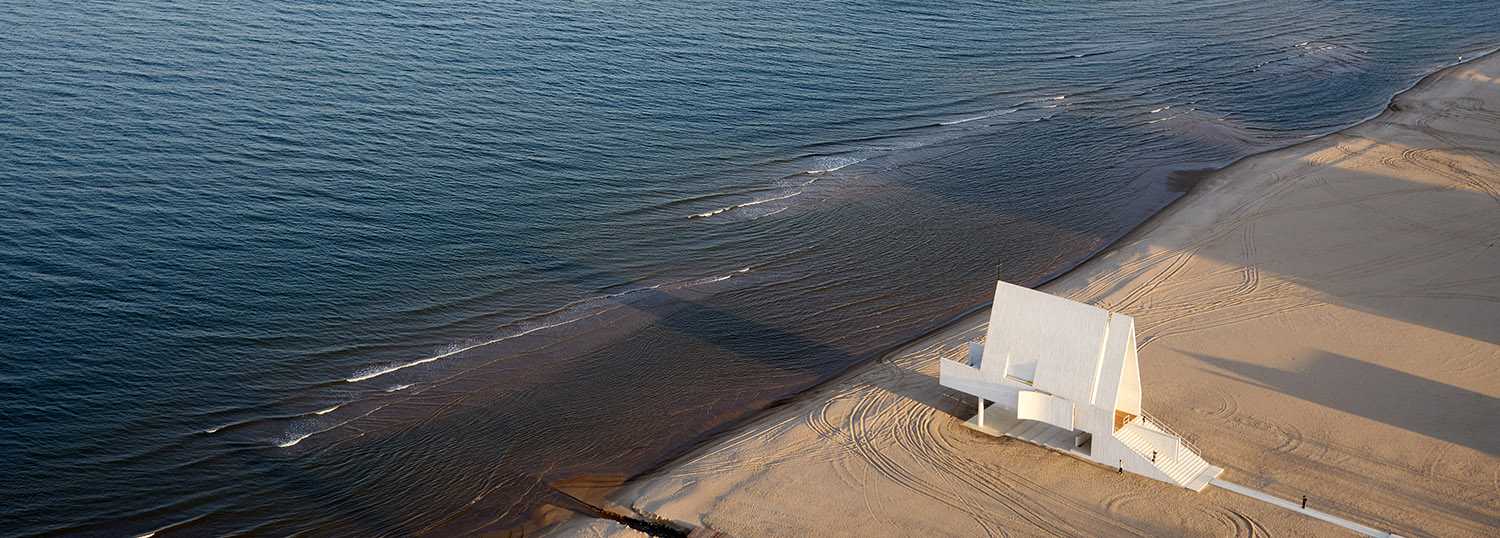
pixel 1321 320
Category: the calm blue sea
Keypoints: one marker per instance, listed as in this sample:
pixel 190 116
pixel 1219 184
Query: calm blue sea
pixel 397 268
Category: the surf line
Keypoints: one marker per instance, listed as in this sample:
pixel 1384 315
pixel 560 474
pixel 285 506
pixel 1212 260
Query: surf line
pixel 293 440
pixel 380 372
pixel 707 214
pixel 251 420
pixel 979 117
pixel 1289 505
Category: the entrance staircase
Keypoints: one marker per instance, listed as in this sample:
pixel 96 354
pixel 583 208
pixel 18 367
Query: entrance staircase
pixel 1178 462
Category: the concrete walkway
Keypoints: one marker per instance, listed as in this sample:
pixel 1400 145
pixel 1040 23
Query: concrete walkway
pixel 1296 507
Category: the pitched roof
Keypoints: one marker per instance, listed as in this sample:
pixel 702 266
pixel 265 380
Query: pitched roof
pixel 1059 346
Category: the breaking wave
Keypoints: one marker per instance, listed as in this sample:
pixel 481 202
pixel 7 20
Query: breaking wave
pixel 165 527
pixel 719 278
pixel 980 117
pixel 707 214
pixel 238 423
pixel 843 162
pixel 372 373
pixel 298 438
pixel 454 349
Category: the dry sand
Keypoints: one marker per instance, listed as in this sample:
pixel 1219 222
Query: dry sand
pixel 1320 320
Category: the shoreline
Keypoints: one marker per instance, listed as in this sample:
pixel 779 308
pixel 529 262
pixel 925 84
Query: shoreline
pixel 1095 279
pixel 1205 175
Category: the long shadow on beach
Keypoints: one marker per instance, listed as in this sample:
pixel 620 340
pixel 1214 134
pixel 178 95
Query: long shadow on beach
pixel 1377 393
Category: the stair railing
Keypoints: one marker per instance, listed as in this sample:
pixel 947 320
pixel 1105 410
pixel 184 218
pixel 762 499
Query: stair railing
pixel 1164 427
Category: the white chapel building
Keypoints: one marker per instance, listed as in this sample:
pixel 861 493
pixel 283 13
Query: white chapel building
pixel 1064 375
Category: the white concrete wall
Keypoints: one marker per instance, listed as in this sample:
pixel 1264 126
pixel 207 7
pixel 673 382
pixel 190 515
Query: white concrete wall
pixel 1031 330
pixel 1129 398
pixel 1100 422
pixel 1032 405
pixel 1111 452
pixel 973 381
pixel 1119 347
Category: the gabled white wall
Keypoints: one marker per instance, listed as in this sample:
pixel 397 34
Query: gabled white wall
pixel 1047 340
pixel 1129 399
pixel 1119 351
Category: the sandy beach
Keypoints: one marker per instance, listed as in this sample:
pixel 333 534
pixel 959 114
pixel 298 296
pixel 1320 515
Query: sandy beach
pixel 1321 320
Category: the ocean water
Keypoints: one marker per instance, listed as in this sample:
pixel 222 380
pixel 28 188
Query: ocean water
pixel 403 268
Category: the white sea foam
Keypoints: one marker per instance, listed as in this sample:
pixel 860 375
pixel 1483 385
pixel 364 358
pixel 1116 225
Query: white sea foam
pixel 1164 119
pixel 980 117
pixel 707 214
pixel 843 163
pixel 372 373
pixel 216 429
pixel 720 278
pixel 169 526
pixel 1155 110
pixel 1174 116
pixel 294 440
pixel 758 202
pixel 297 438
pixel 399 388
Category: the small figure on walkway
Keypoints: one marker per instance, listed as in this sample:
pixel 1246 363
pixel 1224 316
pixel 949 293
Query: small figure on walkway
pixel 1122 466
pixel 1153 456
pixel 1304 502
